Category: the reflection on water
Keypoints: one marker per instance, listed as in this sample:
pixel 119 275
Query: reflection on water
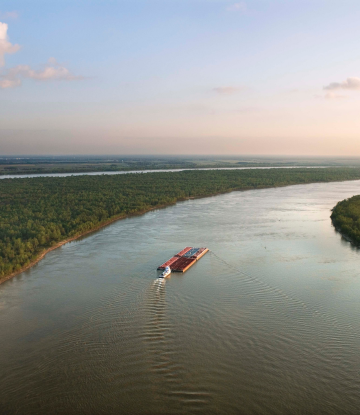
pixel 266 323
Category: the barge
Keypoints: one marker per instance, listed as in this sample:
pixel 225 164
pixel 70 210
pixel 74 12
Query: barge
pixel 184 259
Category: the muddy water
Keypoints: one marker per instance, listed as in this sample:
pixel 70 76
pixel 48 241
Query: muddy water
pixel 266 323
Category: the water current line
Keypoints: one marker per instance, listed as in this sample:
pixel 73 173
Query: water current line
pixel 158 337
pixel 326 339
pixel 317 312
pixel 167 370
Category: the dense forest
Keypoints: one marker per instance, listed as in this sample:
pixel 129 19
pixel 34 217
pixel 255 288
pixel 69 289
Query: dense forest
pixel 346 218
pixel 37 213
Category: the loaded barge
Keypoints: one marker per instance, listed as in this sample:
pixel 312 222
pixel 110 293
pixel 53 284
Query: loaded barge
pixel 183 260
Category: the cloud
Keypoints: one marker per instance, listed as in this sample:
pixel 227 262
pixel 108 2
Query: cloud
pixel 227 90
pixel 51 71
pixel 350 84
pixel 9 82
pixel 9 15
pixel 13 77
pixel 332 95
pixel 237 7
pixel 5 46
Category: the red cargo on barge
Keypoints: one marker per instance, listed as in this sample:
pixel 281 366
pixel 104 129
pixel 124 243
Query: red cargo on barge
pixel 185 259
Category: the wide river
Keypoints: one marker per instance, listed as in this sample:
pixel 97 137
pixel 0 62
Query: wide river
pixel 266 323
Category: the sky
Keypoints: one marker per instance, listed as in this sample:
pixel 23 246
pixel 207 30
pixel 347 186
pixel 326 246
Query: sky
pixel 189 77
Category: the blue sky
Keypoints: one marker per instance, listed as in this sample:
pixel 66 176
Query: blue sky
pixel 180 77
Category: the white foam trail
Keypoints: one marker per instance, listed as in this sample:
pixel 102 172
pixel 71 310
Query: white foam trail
pixel 159 283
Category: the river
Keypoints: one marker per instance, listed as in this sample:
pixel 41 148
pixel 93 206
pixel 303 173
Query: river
pixel 265 323
pixel 99 173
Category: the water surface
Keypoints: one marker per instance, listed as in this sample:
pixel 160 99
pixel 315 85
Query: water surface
pixel 267 323
pixel 99 173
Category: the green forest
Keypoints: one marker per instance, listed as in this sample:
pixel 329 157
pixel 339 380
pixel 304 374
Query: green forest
pixel 37 213
pixel 346 218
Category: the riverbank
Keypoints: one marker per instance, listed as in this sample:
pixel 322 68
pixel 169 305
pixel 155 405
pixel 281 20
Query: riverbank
pixel 42 254
pixel 347 238
pixel 74 238
pixel 58 245
pixel 39 215
pixel 346 219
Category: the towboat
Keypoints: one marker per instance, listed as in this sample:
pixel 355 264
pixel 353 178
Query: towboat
pixel 167 271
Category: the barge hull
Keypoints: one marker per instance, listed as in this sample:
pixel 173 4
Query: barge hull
pixel 185 259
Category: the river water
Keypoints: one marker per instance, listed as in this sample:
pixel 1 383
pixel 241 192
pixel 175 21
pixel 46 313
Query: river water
pixel 265 323
pixel 99 173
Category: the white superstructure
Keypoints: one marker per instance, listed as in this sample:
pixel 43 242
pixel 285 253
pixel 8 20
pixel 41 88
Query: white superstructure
pixel 167 271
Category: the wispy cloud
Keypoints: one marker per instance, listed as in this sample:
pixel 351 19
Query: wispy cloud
pixel 51 71
pixel 5 46
pixel 9 15
pixel 350 84
pixel 237 7
pixel 227 90
pixel 13 77
pixel 332 95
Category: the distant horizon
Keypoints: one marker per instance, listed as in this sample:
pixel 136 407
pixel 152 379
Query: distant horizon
pixel 180 156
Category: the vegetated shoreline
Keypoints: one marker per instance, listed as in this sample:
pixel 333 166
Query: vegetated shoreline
pixel 96 228
pixel 42 254
pixel 343 235
pixel 74 238
pixel 345 216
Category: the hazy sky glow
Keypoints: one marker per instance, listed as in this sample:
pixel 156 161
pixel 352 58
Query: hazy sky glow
pixel 180 77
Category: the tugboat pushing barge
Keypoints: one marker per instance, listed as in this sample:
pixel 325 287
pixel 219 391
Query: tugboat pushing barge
pixel 166 273
pixel 182 261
